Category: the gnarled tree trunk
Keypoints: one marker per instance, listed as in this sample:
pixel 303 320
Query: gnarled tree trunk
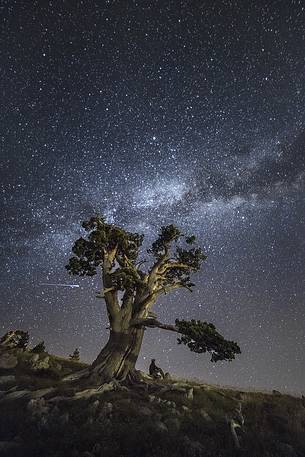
pixel 118 358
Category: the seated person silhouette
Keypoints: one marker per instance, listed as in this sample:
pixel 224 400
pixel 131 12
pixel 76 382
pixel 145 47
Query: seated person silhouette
pixel 154 371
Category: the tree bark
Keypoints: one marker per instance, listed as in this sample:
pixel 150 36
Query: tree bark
pixel 118 358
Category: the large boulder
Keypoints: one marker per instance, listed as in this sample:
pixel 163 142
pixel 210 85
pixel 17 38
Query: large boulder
pixel 10 448
pixel 7 379
pixel 16 395
pixel 41 364
pixel 15 339
pixel 8 360
pixel 38 407
pixel 106 411
pixel 34 359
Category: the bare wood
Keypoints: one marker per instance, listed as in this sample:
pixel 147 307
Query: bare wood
pixel 153 323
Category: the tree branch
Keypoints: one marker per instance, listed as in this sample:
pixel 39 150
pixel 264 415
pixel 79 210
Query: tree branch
pixel 153 323
pixel 177 285
pixel 109 293
pixel 178 265
pixel 155 268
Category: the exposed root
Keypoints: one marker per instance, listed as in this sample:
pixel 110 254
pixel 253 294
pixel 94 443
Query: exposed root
pixel 82 374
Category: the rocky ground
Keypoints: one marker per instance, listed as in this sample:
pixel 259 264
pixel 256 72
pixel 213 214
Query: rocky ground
pixel 42 415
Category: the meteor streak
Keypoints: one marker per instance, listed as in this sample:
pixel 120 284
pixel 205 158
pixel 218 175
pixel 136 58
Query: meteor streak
pixel 72 286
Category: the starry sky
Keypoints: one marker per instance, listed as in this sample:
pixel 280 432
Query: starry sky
pixel 158 112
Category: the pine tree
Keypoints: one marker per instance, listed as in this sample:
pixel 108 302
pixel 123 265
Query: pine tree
pixel 130 292
pixel 39 348
pixel 75 356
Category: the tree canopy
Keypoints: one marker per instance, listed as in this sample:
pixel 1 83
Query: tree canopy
pixel 130 290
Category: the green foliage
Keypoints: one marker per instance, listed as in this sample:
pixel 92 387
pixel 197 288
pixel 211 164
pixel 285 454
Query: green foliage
pixel 103 238
pixel 182 262
pixel 89 252
pixel 201 337
pixel 167 235
pixel 39 348
pixel 190 239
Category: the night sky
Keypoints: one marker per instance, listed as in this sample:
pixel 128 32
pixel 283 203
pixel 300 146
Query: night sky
pixel 158 112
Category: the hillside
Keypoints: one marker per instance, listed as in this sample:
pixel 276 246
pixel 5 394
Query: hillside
pixel 41 415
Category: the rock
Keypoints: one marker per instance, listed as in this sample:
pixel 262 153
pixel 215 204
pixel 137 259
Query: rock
pixel 194 448
pixel 16 395
pixel 7 379
pixel 105 412
pixel 276 392
pixel 145 411
pixel 199 388
pixel 160 427
pixel 89 421
pixel 55 410
pixel 42 392
pixel 41 364
pixel 63 419
pixel 205 415
pixel 97 449
pixel 151 398
pixel 173 424
pixel 123 403
pixel 8 361
pixel 170 404
pixel 145 376
pixel 167 376
pixel 59 398
pixel 43 422
pixel 93 407
pixel 190 394
pixel 18 439
pixel 286 450
pixel 34 358
pixel 9 446
pixel 185 408
pixel 175 412
pixel 38 407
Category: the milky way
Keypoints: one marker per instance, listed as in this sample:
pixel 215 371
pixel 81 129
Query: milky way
pixel 157 112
